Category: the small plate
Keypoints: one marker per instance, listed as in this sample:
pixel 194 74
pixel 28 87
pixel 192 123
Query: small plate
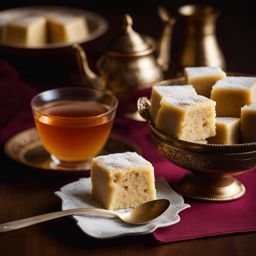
pixel 26 148
pixel 97 24
pixel 78 194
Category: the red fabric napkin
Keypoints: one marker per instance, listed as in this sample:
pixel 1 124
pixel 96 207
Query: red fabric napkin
pixel 15 96
pixel 201 220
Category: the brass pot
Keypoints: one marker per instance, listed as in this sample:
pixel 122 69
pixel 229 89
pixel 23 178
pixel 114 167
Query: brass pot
pixel 199 46
pixel 131 61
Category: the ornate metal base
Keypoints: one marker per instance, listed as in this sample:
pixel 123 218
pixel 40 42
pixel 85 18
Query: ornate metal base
pixel 210 187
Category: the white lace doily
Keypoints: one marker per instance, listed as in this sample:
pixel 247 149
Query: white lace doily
pixel 78 194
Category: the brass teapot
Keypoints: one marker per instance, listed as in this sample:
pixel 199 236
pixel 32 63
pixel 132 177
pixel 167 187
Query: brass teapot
pixel 132 60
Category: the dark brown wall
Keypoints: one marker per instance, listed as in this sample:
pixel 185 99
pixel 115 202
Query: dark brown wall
pixel 236 25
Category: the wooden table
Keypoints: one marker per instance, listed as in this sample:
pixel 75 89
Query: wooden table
pixel 24 193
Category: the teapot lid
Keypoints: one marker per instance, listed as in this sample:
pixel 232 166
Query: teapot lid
pixel 130 43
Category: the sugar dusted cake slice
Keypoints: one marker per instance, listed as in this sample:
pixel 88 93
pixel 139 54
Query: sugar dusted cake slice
pixel 203 78
pixel 232 93
pixel 248 123
pixel 122 180
pixel 29 31
pixel 227 131
pixel 66 28
pixel 190 118
pixel 159 91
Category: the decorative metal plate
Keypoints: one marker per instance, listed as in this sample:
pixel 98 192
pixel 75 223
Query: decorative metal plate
pixel 97 25
pixel 210 166
pixel 26 148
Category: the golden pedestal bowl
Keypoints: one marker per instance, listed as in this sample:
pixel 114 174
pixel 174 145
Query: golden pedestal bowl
pixel 211 166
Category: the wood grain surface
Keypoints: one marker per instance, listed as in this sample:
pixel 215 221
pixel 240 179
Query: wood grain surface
pixel 24 193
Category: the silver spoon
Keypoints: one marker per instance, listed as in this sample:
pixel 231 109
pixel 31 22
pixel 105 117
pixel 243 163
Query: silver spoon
pixel 137 216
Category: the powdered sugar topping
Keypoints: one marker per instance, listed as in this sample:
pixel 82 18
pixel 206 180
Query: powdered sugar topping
pixel 186 101
pixel 227 120
pixel 236 82
pixel 122 161
pixel 250 107
pixel 27 20
pixel 203 71
pixel 166 90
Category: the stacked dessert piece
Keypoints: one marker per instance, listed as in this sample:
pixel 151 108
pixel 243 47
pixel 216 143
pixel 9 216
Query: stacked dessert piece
pixel 39 30
pixel 211 107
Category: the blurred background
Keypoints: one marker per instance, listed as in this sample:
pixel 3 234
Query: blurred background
pixel 236 28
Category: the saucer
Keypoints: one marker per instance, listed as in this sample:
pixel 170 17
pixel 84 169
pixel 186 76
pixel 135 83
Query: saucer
pixel 26 148
pixel 78 194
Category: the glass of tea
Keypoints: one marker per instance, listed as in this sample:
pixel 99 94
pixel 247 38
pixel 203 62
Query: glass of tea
pixel 73 124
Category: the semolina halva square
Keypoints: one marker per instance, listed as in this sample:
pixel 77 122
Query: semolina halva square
pixel 227 131
pixel 232 93
pixel 203 78
pixel 159 91
pixel 122 180
pixel 29 31
pixel 248 123
pixel 189 117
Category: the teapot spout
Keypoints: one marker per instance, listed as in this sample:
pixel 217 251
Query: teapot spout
pixel 164 44
pixel 87 75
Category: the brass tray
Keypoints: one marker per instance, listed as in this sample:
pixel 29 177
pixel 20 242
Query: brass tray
pixel 26 148
pixel 97 24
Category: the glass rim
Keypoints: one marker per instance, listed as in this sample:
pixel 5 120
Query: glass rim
pixel 106 92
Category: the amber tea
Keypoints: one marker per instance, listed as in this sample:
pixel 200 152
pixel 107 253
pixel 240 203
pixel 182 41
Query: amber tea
pixel 73 130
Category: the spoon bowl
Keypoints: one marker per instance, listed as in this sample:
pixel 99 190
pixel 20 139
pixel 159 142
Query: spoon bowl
pixel 145 212
pixel 137 216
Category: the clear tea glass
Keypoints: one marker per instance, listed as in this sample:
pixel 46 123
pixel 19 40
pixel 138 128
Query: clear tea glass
pixel 73 124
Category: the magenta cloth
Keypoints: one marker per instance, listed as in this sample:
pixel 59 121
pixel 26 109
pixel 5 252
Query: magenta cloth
pixel 201 220
pixel 15 96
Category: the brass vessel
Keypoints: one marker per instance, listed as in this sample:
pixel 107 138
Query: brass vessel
pixel 210 166
pixel 199 45
pixel 131 61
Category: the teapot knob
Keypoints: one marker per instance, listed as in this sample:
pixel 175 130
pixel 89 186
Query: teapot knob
pixel 127 22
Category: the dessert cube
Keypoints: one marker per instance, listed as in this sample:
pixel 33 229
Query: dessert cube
pixel 203 78
pixel 232 93
pixel 122 180
pixel 27 31
pixel 190 117
pixel 248 123
pixel 66 28
pixel 159 91
pixel 227 131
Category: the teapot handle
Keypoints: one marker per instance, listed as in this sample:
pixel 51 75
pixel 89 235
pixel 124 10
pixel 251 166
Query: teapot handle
pixel 87 75
pixel 164 47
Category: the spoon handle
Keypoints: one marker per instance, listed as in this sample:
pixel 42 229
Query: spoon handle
pixel 17 224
